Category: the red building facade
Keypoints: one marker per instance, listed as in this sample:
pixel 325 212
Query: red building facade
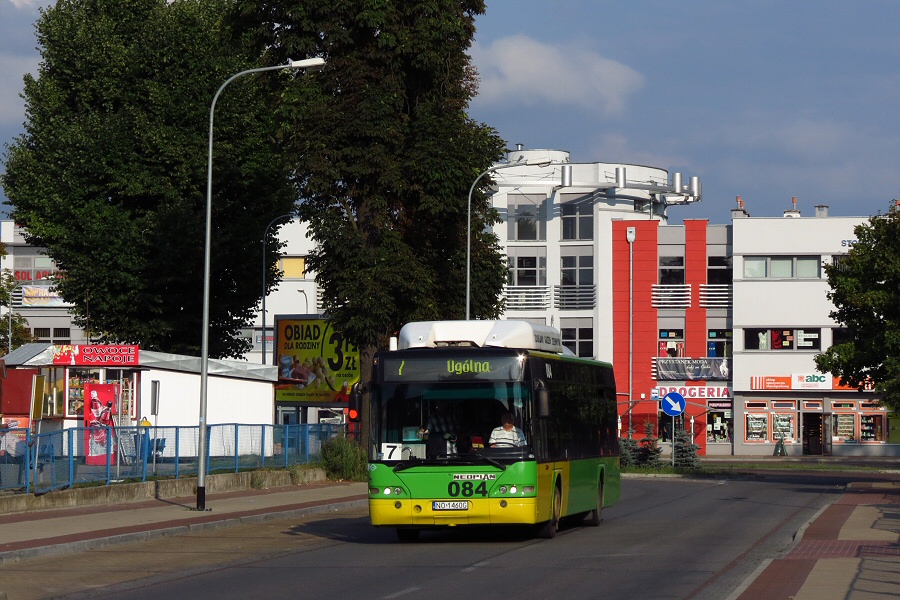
pixel 664 306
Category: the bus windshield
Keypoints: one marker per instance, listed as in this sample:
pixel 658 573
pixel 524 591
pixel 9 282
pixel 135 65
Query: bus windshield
pixel 440 421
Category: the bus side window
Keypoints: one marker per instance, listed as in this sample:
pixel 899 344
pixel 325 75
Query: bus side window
pixel 542 395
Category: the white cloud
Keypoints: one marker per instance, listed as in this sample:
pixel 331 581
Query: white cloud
pixel 519 69
pixel 27 3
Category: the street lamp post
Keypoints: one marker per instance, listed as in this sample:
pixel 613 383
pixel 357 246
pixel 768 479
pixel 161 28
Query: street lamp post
pixel 309 64
pixel 265 238
pixel 531 162
pixel 305 301
pixel 9 332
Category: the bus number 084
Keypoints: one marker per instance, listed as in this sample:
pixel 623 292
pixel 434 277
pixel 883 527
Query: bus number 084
pixel 466 489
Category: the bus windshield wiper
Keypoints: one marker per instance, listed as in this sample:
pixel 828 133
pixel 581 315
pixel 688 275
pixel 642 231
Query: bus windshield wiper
pixel 407 464
pixel 490 461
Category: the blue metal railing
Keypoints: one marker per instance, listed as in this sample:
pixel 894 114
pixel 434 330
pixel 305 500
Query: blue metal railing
pixel 60 459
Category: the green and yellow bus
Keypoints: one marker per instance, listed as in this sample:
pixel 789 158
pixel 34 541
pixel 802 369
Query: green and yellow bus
pixel 439 455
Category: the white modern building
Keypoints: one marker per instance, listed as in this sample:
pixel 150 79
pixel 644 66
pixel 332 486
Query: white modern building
pixel 557 232
pixel 33 297
pixel 781 322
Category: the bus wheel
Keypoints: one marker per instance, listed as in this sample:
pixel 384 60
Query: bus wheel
pixel 550 528
pixel 407 535
pixel 596 515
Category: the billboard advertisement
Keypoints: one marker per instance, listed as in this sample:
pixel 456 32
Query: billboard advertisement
pixel 316 365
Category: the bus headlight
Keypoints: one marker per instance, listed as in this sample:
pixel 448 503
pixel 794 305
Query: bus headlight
pixel 513 489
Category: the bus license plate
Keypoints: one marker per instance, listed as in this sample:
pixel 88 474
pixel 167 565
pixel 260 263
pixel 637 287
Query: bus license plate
pixel 455 505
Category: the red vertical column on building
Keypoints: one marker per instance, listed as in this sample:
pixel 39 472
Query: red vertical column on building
pixel 635 334
pixel 695 328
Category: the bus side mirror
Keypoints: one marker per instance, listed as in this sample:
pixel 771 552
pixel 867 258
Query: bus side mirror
pixel 542 394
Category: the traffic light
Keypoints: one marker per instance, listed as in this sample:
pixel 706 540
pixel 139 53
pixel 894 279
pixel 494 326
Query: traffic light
pixel 355 404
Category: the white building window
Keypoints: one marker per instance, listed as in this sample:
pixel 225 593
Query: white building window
pixel 577 216
pixel 527 266
pixel 782 339
pixel 577 265
pixel 527 217
pixel 578 335
pixel 292 267
pixel 782 267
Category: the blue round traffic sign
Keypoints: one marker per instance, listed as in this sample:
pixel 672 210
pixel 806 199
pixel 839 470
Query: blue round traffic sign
pixel 673 404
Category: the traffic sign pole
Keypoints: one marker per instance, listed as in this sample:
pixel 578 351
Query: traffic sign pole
pixel 673 404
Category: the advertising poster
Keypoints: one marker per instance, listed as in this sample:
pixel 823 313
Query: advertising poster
pixel 692 369
pixel 97 355
pixel 20 423
pixel 100 408
pixel 316 365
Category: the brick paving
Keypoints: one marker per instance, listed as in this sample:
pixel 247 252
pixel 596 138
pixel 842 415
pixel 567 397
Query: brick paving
pixel 781 579
pixel 841 549
pixel 850 551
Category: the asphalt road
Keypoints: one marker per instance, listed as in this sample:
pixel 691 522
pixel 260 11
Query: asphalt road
pixel 667 538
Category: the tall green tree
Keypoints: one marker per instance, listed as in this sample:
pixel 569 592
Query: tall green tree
pixel 865 290
pixel 389 154
pixel 110 174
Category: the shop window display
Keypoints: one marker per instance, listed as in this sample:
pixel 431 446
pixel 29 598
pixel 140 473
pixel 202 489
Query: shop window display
pixel 126 392
pixel 757 427
pixel 783 427
pixel 77 379
pixel 844 428
pixel 718 427
pixel 871 428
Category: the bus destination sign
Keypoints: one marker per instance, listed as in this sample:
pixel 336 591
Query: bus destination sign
pixel 493 368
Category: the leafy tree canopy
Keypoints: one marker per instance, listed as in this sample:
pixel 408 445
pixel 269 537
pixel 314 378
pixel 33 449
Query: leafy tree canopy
pixel 110 174
pixel 390 155
pixel 865 289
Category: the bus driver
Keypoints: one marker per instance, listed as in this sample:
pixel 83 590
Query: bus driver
pixel 507 434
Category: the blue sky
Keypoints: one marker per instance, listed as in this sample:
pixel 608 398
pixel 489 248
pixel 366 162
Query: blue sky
pixel 764 99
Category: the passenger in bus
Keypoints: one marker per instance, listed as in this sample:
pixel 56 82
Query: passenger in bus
pixel 442 424
pixel 442 420
pixel 507 434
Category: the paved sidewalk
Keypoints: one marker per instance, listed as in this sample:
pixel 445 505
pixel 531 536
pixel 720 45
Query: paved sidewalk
pixel 849 551
pixel 49 532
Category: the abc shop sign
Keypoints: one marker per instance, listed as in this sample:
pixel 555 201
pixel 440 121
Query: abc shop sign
pixel 810 381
